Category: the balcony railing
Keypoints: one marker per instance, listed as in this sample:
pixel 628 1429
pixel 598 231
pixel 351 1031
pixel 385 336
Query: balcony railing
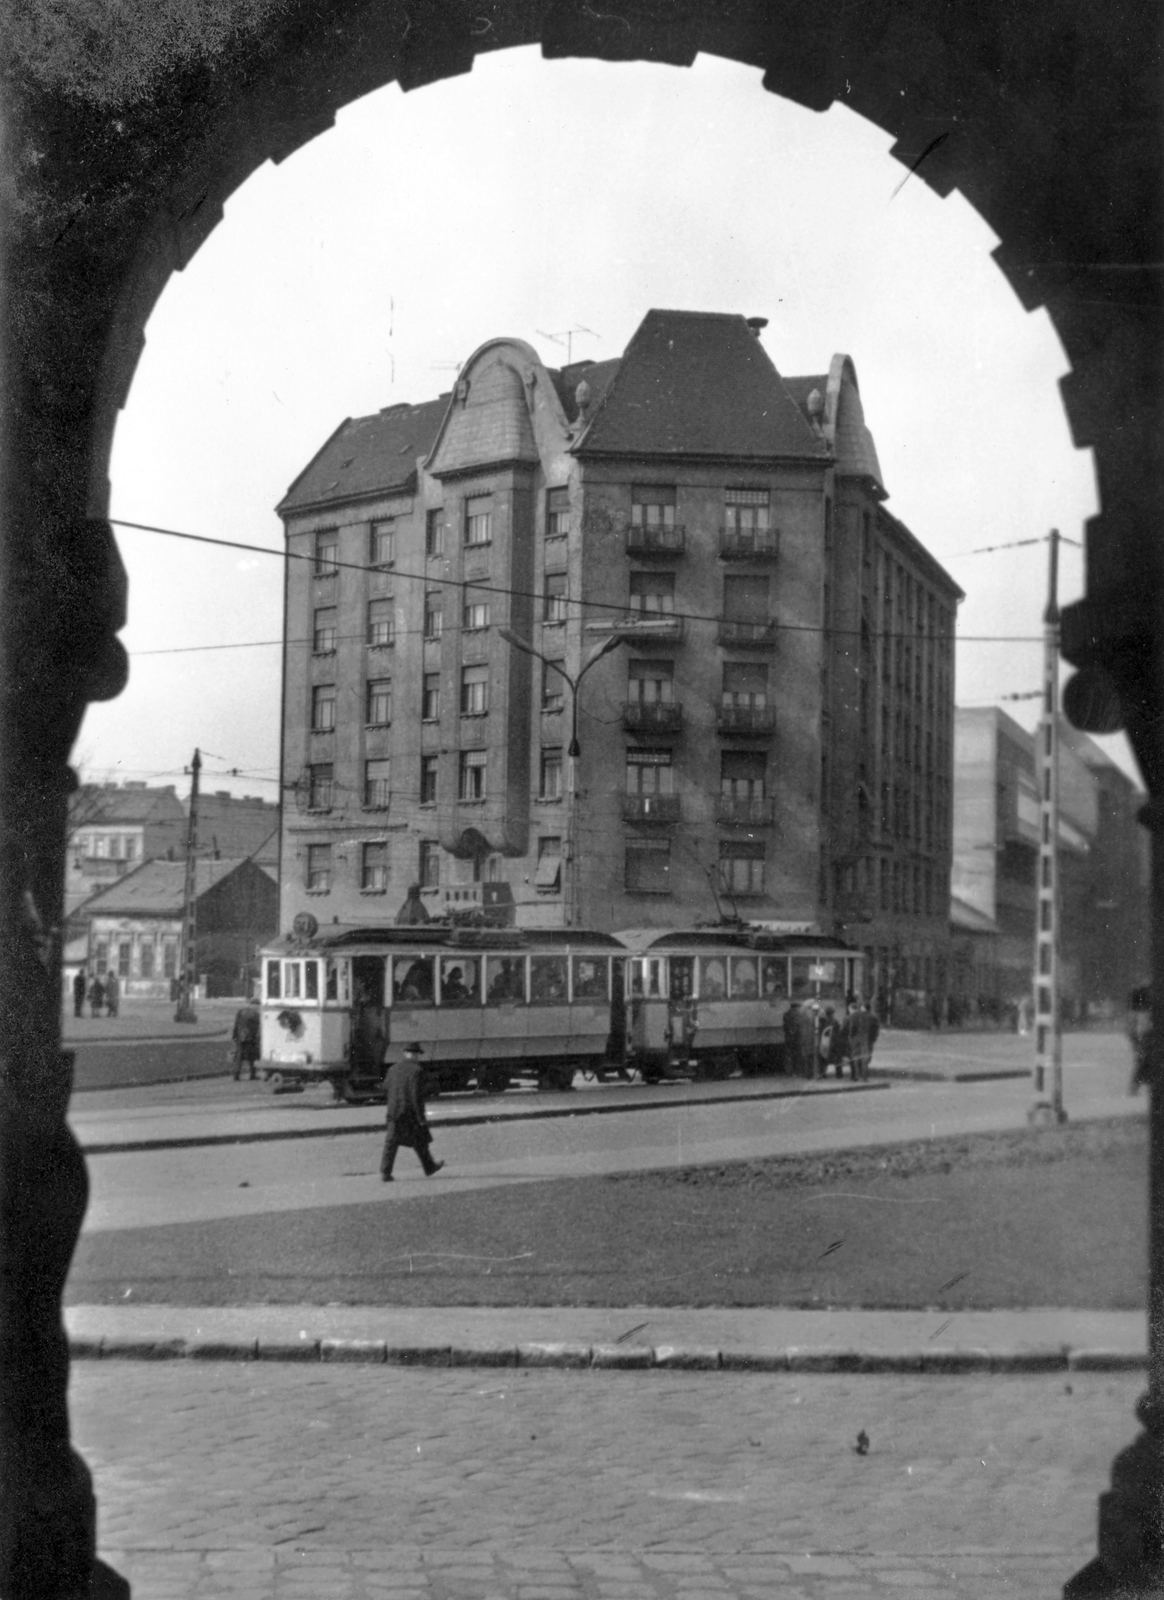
pixel 639 716
pixel 650 807
pixel 747 635
pixel 746 720
pixel 749 544
pixel 644 627
pixel 656 541
pixel 745 813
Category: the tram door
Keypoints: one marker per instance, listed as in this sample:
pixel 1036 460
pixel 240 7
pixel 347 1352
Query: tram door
pixel 648 1008
pixel 369 1036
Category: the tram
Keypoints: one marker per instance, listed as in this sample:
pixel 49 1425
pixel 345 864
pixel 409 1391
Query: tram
pixel 706 1002
pixel 486 1005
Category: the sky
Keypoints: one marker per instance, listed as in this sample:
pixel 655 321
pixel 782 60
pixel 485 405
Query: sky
pixel 528 199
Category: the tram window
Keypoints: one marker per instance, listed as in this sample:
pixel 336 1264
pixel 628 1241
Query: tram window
pixel 712 978
pixel 291 990
pixel 774 976
pixel 460 981
pixel 589 978
pixel 505 980
pixel 273 989
pixel 682 977
pixel 336 981
pixel 412 980
pixel 547 980
pixel 311 980
pixel 811 977
pixel 745 980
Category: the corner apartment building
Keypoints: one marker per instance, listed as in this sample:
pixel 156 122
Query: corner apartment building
pixel 764 655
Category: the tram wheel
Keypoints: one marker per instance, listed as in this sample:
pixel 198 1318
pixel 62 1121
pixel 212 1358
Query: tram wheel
pixel 560 1077
pixel 651 1074
pixel 494 1080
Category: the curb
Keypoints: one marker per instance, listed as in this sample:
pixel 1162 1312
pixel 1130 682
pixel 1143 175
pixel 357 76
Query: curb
pixel 616 1358
pixel 472 1120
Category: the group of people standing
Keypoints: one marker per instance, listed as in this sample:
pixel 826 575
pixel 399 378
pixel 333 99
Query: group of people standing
pixel 103 994
pixel 815 1038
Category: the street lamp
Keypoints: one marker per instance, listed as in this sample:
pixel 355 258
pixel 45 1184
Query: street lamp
pixel 574 750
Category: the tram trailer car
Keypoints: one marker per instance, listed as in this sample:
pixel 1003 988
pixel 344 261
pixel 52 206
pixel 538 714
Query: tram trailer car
pixel 487 1006
pixel 703 1003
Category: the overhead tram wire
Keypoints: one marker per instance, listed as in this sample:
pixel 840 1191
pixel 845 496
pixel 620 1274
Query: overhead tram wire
pixel 479 587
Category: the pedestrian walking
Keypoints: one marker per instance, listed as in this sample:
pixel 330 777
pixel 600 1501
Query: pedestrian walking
pixel 406 1119
pixel 79 987
pixel 96 997
pixel 1139 1029
pixel 112 994
pixel 246 1039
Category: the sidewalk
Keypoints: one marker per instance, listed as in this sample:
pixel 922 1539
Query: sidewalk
pixel 778 1339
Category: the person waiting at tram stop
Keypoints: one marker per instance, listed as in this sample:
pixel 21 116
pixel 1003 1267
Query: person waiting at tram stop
pixel 406 1120
pixel 1139 1031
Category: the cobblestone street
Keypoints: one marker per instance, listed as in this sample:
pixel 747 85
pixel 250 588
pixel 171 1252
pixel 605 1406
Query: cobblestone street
pixel 260 1483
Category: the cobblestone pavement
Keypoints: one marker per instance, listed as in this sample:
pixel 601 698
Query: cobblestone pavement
pixel 225 1479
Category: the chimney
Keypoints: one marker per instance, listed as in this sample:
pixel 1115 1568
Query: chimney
pixel 757 325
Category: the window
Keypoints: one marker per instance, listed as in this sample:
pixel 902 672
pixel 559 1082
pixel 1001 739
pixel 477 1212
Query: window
pixel 648 866
pixel 430 864
pixel 653 505
pixel 474 691
pixel 591 978
pixel 652 593
pixel 169 958
pixel 648 772
pixel 746 510
pixel 472 785
pixel 147 958
pixel 323 708
pixel 460 980
pixel 504 980
pixel 479 519
pixel 327 554
pixel 553 686
pixel 412 980
pixel 321 778
pixel 102 956
pixel 551 788
pixel 123 955
pixel 383 546
pixel 323 631
pixel 548 877
pixel 381 622
pixel 475 616
pixel 554 598
pixel 745 686
pixel 742 774
pixel 378 702
pixel 318 868
pixel 434 532
pixel 428 779
pixel 651 683
pixel 433 615
pixel 745 598
pixel 557 513
pixel 374 868
pixel 378 784
pixel 741 866
pixel 547 980
pixel 430 697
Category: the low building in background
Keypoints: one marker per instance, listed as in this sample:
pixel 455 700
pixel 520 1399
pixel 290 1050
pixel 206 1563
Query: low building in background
pixel 135 926
pixel 113 828
pixel 770 733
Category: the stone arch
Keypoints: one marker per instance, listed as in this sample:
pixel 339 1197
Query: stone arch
pixel 125 145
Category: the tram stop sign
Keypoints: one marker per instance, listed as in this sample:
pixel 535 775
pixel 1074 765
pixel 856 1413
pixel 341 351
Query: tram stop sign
pixel 822 971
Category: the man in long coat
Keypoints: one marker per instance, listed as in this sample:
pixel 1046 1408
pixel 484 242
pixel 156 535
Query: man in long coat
pixel 407 1121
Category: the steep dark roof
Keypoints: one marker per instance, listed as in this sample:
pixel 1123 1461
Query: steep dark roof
pixel 695 383
pixel 157 888
pixel 368 456
pixel 92 806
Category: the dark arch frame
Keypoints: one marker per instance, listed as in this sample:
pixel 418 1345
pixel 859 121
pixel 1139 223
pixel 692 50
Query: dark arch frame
pixel 123 150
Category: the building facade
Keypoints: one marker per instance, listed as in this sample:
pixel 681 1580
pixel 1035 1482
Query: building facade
pixel 763 655
pixel 113 828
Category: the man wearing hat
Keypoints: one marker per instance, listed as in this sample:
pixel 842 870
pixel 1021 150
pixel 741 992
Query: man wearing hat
pixel 407 1122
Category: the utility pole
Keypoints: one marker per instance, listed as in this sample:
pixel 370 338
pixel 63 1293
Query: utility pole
pixel 187 956
pixel 1047 1106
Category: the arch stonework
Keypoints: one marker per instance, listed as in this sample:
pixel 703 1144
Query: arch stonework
pixel 123 147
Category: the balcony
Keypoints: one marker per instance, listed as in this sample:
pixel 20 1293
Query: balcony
pixel 657 717
pixel 747 635
pixel 756 722
pixel 647 542
pixel 642 627
pixel 745 813
pixel 749 544
pixel 650 807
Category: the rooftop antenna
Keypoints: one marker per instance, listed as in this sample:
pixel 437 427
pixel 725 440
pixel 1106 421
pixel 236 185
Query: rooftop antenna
pixel 566 337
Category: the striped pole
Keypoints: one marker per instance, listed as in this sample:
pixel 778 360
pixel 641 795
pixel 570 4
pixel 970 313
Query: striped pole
pixel 1048 1100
